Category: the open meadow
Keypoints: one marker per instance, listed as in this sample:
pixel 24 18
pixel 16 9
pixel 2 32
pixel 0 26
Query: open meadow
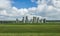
pixel 47 29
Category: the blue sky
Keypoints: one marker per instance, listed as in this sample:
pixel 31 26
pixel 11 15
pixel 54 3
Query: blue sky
pixel 23 3
pixel 12 9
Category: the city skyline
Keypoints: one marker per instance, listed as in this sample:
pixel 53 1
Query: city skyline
pixel 12 9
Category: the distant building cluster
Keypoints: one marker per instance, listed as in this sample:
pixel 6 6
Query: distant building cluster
pixel 33 20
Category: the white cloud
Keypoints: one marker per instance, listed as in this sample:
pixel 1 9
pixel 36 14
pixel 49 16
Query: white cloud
pixel 23 11
pixel 52 11
pixel 42 7
pixel 56 3
pixel 32 9
pixel 5 4
pixel 3 12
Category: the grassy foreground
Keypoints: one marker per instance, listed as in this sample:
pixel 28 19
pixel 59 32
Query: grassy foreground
pixel 29 34
pixel 30 30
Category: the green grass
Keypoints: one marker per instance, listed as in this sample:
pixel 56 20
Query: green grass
pixel 30 28
pixel 29 34
pixel 43 29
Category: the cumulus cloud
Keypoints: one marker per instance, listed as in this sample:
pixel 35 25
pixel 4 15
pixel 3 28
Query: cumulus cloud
pixel 50 7
pixel 56 3
pixel 19 12
pixel 4 4
pixel 51 11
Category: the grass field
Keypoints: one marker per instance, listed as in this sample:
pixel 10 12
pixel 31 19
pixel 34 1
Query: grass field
pixel 29 34
pixel 30 30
